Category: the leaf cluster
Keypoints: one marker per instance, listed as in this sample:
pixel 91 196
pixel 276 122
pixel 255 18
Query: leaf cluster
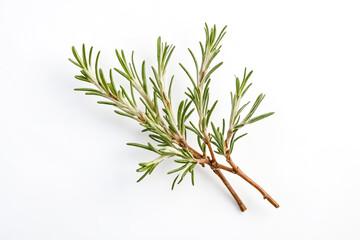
pixel 236 122
pixel 200 92
pixel 147 99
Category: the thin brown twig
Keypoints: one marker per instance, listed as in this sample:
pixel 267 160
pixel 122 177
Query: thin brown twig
pixel 229 187
pixel 214 166
pixel 233 169
pixel 236 170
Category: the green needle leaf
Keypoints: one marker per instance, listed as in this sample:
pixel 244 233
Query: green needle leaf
pixel 260 117
pixel 173 184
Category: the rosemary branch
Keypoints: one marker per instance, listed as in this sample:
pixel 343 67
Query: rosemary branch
pixel 152 108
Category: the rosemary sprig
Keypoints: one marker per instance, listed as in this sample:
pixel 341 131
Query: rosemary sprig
pixel 148 101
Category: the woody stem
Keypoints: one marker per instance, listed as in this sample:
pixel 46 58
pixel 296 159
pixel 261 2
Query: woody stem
pixel 214 166
pixel 235 169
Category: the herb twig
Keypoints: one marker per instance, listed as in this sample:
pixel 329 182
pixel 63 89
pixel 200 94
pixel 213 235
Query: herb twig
pixel 148 101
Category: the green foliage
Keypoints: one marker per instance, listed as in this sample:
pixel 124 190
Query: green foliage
pixel 200 91
pixel 235 121
pixel 187 166
pixel 104 88
pixel 218 138
pixel 148 101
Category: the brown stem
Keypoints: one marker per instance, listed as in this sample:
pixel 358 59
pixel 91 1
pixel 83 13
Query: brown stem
pixel 180 140
pixel 196 154
pixel 202 161
pixel 237 171
pixel 234 169
pixel 207 142
pixel 227 152
pixel 255 185
pixel 226 168
pixel 232 191
pixel 226 143
pixel 214 166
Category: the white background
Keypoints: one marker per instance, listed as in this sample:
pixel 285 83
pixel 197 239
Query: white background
pixel 66 173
